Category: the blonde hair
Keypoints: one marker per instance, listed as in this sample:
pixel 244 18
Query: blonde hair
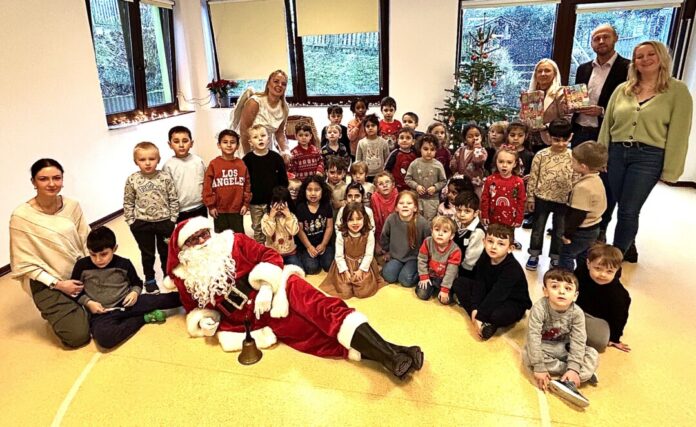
pixel 664 74
pixel 144 146
pixel 442 221
pixel 334 126
pixel 555 84
pixel 258 127
pixel 283 102
pixel 385 174
pixel 358 167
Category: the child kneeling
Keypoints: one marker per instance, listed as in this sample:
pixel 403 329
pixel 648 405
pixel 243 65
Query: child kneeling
pixel 438 261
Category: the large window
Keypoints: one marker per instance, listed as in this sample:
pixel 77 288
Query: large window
pixel 332 51
pixel 133 45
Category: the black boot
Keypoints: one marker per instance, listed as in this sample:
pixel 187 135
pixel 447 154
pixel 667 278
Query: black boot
pixel 631 254
pixel 414 352
pixel 373 347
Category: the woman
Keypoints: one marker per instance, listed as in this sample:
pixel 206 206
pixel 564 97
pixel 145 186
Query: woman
pixel 646 128
pixel 48 235
pixel 268 108
pixel 547 79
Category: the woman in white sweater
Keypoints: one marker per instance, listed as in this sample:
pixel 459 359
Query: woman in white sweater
pixel 48 234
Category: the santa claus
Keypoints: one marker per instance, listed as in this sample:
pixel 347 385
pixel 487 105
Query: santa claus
pixel 226 278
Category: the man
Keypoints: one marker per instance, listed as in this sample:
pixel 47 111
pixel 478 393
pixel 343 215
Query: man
pixel 226 278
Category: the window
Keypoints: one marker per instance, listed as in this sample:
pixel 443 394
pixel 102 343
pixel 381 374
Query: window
pixel 332 51
pixel 133 45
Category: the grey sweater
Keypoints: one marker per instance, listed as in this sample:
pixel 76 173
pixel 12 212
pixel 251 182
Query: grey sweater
pixel 150 198
pixel 427 174
pixel 394 237
pixel 108 285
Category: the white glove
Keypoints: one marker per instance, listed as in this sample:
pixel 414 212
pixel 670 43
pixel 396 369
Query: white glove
pixel 262 304
pixel 208 326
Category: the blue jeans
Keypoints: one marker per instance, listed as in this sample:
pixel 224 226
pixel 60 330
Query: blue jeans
pixel 542 210
pixel 633 172
pixel 405 273
pixel 581 241
pixel 314 265
pixel 293 259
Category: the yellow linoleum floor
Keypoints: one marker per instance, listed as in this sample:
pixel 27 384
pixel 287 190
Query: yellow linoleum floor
pixel 163 377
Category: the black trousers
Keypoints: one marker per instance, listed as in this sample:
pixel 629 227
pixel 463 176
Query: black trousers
pixel 229 221
pixel 199 211
pixel 151 235
pixel 113 328
pixel 507 313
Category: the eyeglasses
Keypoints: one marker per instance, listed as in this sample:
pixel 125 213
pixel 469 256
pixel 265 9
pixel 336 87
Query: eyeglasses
pixel 197 238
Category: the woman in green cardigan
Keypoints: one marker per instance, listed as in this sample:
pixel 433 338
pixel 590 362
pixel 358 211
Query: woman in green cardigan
pixel 646 128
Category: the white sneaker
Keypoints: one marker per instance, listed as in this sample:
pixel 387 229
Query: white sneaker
pixel 566 390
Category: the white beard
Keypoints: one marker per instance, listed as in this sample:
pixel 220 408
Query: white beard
pixel 208 270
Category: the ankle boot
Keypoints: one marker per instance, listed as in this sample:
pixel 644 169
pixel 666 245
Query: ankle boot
pixel 373 347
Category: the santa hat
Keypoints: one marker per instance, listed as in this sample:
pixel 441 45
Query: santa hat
pixel 182 232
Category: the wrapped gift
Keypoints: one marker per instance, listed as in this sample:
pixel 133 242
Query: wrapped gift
pixel 576 96
pixel 532 108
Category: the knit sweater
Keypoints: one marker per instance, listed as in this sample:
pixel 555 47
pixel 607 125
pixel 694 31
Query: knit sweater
pixel 394 238
pixel 227 186
pixel 502 200
pixel 428 174
pixel 265 171
pixel 397 163
pixel 306 162
pixel 280 232
pixel 382 208
pixel 150 198
pixel 551 176
pixel 664 122
pixel 187 174
pixel 108 285
pixel 440 264
pixel 374 153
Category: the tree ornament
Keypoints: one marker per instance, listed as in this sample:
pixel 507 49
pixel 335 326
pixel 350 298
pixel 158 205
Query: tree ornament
pixel 484 56
pixel 494 83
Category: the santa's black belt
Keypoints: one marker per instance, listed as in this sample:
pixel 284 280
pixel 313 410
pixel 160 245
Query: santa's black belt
pixel 235 300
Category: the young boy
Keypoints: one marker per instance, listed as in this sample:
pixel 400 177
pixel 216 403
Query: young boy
pixel 586 204
pixel 470 232
pixel 410 120
pixel 335 114
pixel 550 181
pixel 333 147
pixel 603 298
pixel 266 171
pixel 187 170
pixel 358 173
pixel 112 292
pixel 388 126
pixel 400 159
pixel 335 178
pixel 151 208
pixel 556 339
pixel 227 187
pixel 427 176
pixel 438 261
pixel 306 158
pixel 498 296
pixel 383 204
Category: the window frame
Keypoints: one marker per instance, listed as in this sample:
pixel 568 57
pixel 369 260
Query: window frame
pixel 139 83
pixel 297 66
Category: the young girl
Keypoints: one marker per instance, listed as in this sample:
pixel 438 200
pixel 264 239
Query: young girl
pixel 356 131
pixel 496 138
pixel 402 236
pixel 355 193
pixel 373 149
pixel 443 154
pixel 503 194
pixel 316 225
pixel 454 187
pixel 279 225
pixel 306 157
pixel 470 158
pixel 516 136
pixel 383 203
pixel 427 176
pixel 354 273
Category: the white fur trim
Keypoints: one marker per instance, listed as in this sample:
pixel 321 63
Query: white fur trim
pixel 348 327
pixel 192 226
pixel 354 354
pixel 265 273
pixel 280 306
pixel 195 316
pixel 232 341
pixel 168 284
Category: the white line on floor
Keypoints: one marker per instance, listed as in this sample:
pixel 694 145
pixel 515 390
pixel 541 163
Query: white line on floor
pixel 58 419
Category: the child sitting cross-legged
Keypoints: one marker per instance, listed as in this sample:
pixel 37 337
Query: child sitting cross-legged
pixel 112 292
pixel 315 217
pixel 438 261
pixel 556 339
pixel 470 232
pixel 383 203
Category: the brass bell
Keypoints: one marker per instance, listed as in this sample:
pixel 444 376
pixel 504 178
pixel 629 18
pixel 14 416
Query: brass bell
pixel 250 353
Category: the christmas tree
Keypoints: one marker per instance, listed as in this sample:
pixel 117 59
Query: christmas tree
pixel 472 99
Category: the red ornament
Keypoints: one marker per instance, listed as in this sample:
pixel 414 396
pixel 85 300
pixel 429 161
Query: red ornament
pixel 494 83
pixel 466 96
pixel 474 57
pixel 485 56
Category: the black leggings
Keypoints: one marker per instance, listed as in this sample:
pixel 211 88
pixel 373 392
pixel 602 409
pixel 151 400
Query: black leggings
pixel 507 313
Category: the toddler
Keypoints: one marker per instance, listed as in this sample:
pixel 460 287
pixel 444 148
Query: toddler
pixel 187 170
pixel 427 176
pixel 438 261
pixel 454 187
pixel 388 126
pixel 356 130
pixel 410 120
pixel 306 158
pixel 470 158
pixel 399 160
pixel 335 178
pixel 502 201
pixel 383 204
pixel 227 187
pixel 315 217
pixel 151 208
pixel 358 173
pixel 443 154
pixel 335 114
pixel 279 225
pixel 470 232
pixel 373 149
pixel 333 145
pixel 496 138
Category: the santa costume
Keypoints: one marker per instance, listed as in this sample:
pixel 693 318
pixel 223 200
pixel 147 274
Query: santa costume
pixel 229 277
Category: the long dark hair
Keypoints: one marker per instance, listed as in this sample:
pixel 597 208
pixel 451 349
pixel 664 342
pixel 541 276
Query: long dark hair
pixel 325 190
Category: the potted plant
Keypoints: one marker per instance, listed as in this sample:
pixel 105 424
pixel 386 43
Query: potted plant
pixel 220 88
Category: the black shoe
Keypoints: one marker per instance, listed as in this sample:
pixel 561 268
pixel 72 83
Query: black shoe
pixel 631 254
pixel 528 223
pixel 549 231
pixel 151 287
pixel 488 330
pixel 602 238
pixel 373 347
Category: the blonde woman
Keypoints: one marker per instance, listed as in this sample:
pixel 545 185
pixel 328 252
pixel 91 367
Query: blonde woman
pixel 646 128
pixel 547 79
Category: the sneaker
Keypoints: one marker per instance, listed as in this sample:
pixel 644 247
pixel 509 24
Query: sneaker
pixel 151 287
pixel 517 245
pixel 631 254
pixel 488 330
pixel 594 380
pixel 155 316
pixel 555 262
pixel 532 263
pixel 567 390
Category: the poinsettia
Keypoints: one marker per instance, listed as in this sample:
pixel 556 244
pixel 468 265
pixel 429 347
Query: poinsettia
pixel 221 86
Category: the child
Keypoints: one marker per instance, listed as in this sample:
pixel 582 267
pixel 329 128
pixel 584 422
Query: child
pixel 502 201
pixel 316 225
pixel 335 113
pixel 355 193
pixel 399 160
pixel 470 232
pixel 151 208
pixel 227 187
pixel 188 171
pixel 427 176
pixel 517 137
pixel 266 171
pixel 496 138
pixel 556 339
pixel 402 236
pixel 438 261
pixel 383 204
pixel 111 292
pixel 279 225
pixel 294 187
pixel 358 173
pixel 498 295
pixel 356 130
pixel 410 120
pixel 586 204
pixel 333 145
pixel 354 272
pixel 603 298
pixel 335 178
pixel 454 187
pixel 470 158
pixel 388 127
pixel 306 158
pixel 373 149
pixel 443 154
pixel 550 181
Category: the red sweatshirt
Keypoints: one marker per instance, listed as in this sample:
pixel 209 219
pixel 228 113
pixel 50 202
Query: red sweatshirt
pixel 226 186
pixel 502 200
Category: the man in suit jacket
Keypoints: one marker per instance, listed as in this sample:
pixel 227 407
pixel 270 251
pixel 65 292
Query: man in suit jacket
pixel 601 75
